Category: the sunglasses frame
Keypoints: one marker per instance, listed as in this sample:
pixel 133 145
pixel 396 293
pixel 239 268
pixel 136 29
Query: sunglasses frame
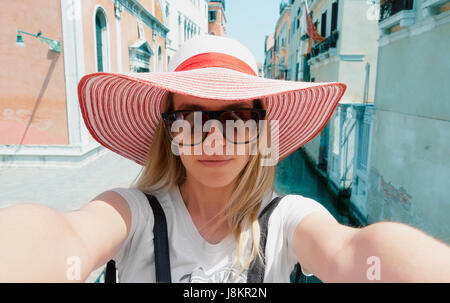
pixel 212 114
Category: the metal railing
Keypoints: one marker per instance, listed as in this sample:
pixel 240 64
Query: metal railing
pixel 334 38
pixel 391 7
pixel 314 51
pixel 325 45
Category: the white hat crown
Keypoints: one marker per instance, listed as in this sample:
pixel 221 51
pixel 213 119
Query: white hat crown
pixel 212 44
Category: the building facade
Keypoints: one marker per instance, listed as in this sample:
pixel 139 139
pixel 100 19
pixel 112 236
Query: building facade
pixel 40 122
pixel 294 52
pixel 260 69
pixel 185 19
pixel 216 18
pixel 281 43
pixel 387 142
pixel 349 55
pixel 408 164
pixel 269 55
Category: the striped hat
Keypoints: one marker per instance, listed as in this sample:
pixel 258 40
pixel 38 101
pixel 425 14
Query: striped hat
pixel 122 110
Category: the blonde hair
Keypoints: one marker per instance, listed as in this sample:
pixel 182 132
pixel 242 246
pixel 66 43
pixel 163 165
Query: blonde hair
pixel 163 169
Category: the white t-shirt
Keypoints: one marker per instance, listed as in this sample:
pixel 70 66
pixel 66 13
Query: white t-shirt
pixel 193 259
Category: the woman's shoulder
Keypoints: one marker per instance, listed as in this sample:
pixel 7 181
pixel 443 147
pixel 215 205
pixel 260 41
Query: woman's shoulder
pixel 289 201
pixel 297 198
pixel 131 195
pixel 137 194
pixel 293 208
pixel 138 199
pixel 297 204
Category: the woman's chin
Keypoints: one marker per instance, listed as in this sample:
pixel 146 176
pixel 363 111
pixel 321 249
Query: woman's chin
pixel 214 178
pixel 216 182
pixel 214 174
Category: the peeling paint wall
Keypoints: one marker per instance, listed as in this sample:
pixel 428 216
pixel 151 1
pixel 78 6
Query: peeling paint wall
pixel 410 172
pixel 409 167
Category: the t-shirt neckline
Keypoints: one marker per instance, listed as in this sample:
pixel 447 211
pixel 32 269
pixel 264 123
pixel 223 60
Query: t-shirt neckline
pixel 224 245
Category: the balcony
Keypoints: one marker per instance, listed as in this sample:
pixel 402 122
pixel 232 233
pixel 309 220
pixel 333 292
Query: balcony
pixel 433 7
pixel 324 45
pixel 325 49
pixel 314 51
pixel 396 13
pixel 334 38
pixel 389 8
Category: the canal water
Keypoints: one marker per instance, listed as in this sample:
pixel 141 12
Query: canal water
pixel 295 176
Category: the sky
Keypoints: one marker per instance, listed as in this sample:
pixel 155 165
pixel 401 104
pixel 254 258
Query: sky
pixel 249 21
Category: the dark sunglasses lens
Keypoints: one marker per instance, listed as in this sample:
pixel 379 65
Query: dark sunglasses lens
pixel 245 127
pixel 244 115
pixel 182 133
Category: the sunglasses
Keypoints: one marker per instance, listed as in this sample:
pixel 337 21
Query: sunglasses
pixel 238 126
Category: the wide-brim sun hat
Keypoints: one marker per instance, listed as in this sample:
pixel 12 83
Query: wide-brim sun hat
pixel 122 110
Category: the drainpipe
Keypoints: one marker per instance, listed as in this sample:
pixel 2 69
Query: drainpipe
pixel 366 84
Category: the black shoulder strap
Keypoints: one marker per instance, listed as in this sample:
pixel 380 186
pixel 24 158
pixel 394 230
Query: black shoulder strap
pixel 161 247
pixel 110 274
pixel 257 269
pixel 161 242
pixel 299 276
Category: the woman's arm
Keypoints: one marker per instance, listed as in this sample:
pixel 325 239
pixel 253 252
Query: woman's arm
pixel 40 244
pixel 380 252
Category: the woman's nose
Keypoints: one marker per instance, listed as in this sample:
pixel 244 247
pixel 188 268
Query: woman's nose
pixel 216 130
pixel 216 127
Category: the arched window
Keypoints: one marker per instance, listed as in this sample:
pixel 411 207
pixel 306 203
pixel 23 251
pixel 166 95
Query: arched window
pixel 160 59
pixel 101 43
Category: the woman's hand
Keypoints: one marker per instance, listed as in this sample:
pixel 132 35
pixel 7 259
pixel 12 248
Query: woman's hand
pixel 380 252
pixel 40 244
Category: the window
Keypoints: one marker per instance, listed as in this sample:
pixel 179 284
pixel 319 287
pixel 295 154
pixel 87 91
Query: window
pixel 334 16
pixel 212 16
pixel 140 27
pixel 101 37
pixel 140 53
pixel 283 36
pixel 323 24
pixel 180 33
pixel 336 126
pixel 160 59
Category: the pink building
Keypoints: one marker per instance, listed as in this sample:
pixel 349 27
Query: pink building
pixel 216 18
pixel 40 120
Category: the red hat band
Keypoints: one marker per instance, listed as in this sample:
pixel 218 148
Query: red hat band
pixel 215 60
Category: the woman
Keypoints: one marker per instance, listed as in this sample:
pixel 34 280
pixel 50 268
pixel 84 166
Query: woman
pixel 212 183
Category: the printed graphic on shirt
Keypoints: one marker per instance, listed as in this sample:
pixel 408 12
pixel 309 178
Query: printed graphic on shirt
pixel 222 275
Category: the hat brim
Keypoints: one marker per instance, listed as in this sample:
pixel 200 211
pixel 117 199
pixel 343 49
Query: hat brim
pixel 122 111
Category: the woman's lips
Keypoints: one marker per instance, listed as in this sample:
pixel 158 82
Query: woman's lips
pixel 214 163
